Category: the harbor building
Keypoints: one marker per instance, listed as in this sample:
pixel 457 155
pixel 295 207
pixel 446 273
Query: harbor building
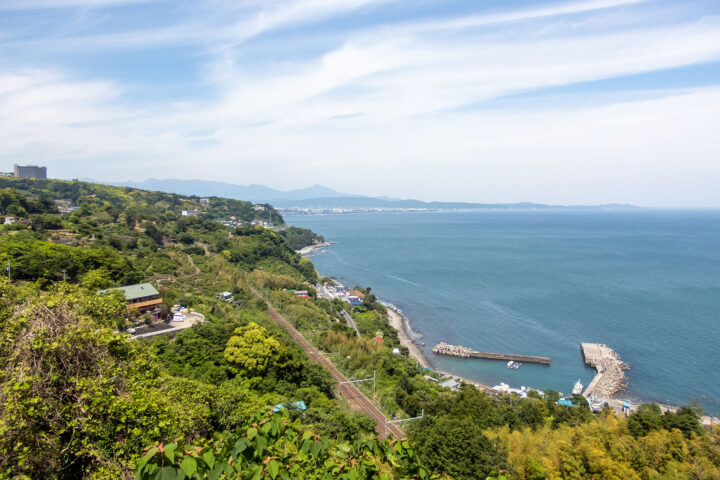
pixel 29 171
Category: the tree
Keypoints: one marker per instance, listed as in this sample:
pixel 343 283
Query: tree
pixel 647 418
pixel 251 348
pixel 457 447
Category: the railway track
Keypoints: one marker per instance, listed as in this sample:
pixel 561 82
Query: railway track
pixel 354 397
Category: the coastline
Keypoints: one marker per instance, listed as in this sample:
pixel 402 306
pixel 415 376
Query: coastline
pixel 397 321
pixel 310 248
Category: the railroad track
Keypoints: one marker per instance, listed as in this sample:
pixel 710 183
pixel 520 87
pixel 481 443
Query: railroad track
pixel 354 397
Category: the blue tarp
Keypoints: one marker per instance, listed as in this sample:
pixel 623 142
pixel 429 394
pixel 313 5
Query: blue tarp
pixel 564 402
pixel 299 405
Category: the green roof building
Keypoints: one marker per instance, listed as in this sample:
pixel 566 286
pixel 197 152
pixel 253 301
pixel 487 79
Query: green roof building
pixel 142 296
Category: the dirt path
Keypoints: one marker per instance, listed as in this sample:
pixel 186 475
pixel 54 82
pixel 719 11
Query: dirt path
pixel 357 400
pixel 187 275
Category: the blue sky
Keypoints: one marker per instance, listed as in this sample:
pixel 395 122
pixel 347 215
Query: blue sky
pixel 591 101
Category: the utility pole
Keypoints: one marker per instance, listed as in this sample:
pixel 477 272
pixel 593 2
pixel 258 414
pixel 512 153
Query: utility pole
pixel 64 276
pixel 7 269
pixel 422 414
pixel 363 380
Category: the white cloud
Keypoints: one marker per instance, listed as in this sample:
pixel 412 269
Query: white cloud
pixel 398 111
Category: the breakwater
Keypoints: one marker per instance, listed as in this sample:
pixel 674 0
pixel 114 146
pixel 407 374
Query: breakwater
pixel 443 348
pixel 610 378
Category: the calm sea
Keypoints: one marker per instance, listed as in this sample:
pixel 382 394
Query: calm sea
pixel 644 282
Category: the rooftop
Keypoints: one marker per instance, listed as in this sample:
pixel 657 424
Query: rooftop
pixel 132 292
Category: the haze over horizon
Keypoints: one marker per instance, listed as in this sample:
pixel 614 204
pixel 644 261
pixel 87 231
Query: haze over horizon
pixel 555 102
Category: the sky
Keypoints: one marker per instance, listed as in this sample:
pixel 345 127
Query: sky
pixel 563 102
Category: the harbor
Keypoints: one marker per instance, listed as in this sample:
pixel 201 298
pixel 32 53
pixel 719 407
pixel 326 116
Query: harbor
pixel 443 348
pixel 610 378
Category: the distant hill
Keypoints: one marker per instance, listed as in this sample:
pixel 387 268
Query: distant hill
pixel 209 188
pixel 319 197
pixel 349 202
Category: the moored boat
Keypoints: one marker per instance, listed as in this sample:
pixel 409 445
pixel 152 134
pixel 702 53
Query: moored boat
pixel 578 388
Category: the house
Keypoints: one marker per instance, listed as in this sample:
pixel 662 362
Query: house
pixel 9 220
pixel 379 339
pixel 191 213
pixel 64 206
pixel 358 294
pixel 204 202
pixel 227 296
pixel 142 296
pixel 354 300
pixel 302 293
pixel 258 208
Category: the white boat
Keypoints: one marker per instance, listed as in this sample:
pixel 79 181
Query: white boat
pixel 578 388
pixel 513 365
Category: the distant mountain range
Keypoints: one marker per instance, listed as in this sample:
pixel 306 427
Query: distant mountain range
pixel 316 196
pixel 208 188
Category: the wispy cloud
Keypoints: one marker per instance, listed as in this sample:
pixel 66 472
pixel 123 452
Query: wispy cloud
pixel 52 4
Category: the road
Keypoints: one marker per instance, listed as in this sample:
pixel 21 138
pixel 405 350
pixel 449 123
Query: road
pixel 190 320
pixel 350 322
pixel 355 398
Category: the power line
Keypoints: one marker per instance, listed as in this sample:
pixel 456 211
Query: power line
pixel 371 379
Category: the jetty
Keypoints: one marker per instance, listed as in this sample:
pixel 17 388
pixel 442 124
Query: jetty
pixel 610 378
pixel 443 348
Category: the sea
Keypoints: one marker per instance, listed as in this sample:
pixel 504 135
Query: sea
pixel 539 282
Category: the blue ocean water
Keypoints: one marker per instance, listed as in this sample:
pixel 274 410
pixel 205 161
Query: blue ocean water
pixel 644 282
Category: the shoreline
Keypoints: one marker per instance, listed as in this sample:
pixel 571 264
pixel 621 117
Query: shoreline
pixel 311 248
pixel 398 322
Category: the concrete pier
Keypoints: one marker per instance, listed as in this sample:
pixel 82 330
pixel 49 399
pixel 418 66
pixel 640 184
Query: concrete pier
pixel 610 378
pixel 463 352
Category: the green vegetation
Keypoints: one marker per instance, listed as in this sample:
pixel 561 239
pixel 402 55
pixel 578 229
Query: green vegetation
pixel 275 448
pixel 298 238
pixel 80 399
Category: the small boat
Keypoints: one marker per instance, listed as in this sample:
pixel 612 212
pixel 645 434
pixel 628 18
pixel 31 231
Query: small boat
pixel 513 365
pixel 578 388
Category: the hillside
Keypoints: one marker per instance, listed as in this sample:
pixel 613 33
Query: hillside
pixel 87 390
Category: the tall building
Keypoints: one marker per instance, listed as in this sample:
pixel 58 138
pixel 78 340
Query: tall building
pixel 30 171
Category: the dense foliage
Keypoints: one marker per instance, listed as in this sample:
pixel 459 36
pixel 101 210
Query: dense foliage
pixel 275 448
pixel 298 238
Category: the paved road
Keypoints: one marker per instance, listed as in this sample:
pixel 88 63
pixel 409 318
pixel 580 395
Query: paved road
pixel 350 322
pixel 190 320
pixel 357 400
